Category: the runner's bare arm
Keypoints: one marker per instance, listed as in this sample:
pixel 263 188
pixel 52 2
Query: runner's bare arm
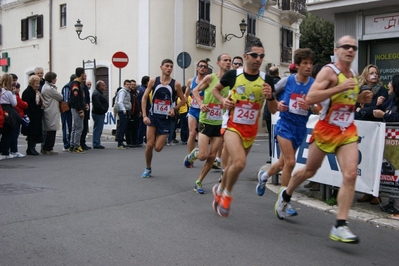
pixel 200 87
pixel 326 86
pixel 217 92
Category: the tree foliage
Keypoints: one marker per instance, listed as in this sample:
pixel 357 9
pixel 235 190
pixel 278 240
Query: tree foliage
pixel 318 35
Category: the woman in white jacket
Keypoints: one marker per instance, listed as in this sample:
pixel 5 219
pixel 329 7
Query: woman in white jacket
pixel 52 115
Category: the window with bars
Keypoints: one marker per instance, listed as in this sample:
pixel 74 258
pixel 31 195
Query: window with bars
pixel 32 27
pixel 286 45
pixel 63 15
pixel 206 32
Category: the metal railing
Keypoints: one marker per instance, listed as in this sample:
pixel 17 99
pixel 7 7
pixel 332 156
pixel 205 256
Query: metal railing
pixel 286 54
pixel 206 34
pixel 298 6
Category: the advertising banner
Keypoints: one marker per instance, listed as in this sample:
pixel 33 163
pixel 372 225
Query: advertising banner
pixel 371 148
pixel 389 181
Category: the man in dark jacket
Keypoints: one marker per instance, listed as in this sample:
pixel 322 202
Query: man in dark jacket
pixel 66 117
pixel 77 103
pixel 142 128
pixel 86 85
pixel 133 121
pixel 100 108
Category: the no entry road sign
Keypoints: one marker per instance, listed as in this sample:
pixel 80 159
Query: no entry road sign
pixel 120 59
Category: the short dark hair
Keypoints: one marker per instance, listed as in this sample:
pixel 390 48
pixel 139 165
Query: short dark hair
pixel 202 61
pixel 14 76
pixel 395 86
pixel 166 61
pixel 302 54
pixel 144 80
pixel 183 88
pixel 73 77
pixel 50 76
pixel 316 69
pixel 126 81
pixel 79 71
pixel 252 43
pixel 238 57
pixel 132 80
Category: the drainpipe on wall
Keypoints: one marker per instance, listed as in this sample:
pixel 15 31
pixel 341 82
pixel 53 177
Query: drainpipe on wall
pixel 50 39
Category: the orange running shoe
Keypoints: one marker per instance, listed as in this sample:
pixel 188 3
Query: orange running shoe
pixel 224 205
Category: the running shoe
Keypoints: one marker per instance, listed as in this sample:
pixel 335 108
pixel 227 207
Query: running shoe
pixel 18 155
pixel 261 186
pixel 289 211
pixel 281 205
pixel 198 188
pixel 224 205
pixel 190 158
pixel 216 164
pixel 343 234
pixel 121 147
pixel 216 198
pixel 146 173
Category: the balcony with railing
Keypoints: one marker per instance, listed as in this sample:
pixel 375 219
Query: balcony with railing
pixel 206 35
pixel 292 10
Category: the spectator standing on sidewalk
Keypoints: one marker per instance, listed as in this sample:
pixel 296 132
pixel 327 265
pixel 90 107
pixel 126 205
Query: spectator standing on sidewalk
pixel 183 111
pixel 21 106
pixel 86 85
pixel 124 106
pixel 142 128
pixel 52 115
pixel 78 105
pixel 8 102
pixel 133 121
pixel 33 131
pixel 100 107
pixel 66 117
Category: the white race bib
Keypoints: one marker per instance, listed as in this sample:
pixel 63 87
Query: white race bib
pixel 161 107
pixel 246 113
pixel 194 103
pixel 342 115
pixel 295 98
pixel 215 111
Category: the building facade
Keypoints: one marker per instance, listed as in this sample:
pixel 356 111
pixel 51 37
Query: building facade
pixel 42 33
pixel 374 23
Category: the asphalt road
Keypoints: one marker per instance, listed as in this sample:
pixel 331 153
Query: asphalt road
pixel 95 209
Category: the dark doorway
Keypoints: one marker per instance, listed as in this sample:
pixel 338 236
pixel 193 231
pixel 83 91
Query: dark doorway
pixel 102 74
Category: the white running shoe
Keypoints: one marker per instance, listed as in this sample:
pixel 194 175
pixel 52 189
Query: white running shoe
pixel 281 205
pixel 343 234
